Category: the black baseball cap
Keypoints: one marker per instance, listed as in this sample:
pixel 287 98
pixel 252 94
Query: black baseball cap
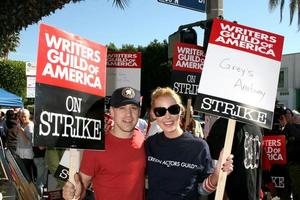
pixel 125 95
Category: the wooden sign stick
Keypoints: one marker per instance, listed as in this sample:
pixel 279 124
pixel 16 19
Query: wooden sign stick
pixel 73 164
pixel 187 113
pixel 226 153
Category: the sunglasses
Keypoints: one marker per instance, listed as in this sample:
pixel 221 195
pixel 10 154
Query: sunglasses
pixel 161 111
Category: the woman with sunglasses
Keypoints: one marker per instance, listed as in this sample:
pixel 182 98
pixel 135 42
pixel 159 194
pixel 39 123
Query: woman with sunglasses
pixel 179 165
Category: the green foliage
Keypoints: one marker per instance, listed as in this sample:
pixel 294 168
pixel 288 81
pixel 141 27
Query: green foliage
pixel 156 70
pixel 8 43
pixel 111 47
pixel 18 14
pixel 128 48
pixel 13 77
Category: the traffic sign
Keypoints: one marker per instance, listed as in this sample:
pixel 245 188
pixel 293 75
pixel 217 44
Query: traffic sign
pixel 197 5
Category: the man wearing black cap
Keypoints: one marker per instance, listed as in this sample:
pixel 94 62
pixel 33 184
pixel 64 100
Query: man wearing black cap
pixel 119 171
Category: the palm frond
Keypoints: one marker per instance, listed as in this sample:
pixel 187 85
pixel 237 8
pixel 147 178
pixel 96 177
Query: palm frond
pixel 273 4
pixel 281 9
pixel 292 10
pixel 121 3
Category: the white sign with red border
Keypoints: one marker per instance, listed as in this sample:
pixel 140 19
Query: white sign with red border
pixel 123 69
pixel 240 75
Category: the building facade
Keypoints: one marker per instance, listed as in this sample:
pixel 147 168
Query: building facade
pixel 288 92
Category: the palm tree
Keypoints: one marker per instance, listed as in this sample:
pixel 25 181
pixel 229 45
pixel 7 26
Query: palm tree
pixel 8 43
pixel 294 6
pixel 121 3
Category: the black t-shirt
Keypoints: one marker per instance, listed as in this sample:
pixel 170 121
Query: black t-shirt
pixel 176 166
pixel 292 132
pixel 244 182
pixel 12 132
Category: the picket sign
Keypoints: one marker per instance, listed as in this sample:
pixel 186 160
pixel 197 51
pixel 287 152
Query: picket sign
pixel 226 153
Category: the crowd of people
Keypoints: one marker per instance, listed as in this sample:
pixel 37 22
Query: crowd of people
pixel 167 156
pixel 17 131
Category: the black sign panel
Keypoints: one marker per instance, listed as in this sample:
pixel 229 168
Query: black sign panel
pixel 233 110
pixel 185 83
pixel 68 118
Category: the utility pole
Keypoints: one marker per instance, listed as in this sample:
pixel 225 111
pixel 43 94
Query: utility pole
pixel 214 8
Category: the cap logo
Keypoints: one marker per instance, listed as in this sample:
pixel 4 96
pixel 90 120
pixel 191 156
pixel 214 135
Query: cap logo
pixel 128 93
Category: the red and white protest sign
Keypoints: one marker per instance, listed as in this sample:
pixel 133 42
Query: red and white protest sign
pixel 188 58
pixel 274 149
pixel 240 74
pixel 70 91
pixel 123 69
pixel 124 59
pixel 188 63
pixel 69 61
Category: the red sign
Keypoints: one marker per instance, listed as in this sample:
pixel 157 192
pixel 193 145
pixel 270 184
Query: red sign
pixel 69 61
pixel 124 60
pixel 274 149
pixel 246 39
pixel 188 58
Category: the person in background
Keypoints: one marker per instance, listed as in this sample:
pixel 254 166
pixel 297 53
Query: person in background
pixel 296 117
pixel 41 169
pixel 3 128
pixel 152 127
pixel 244 183
pixel 179 165
pixel 2 115
pixel 12 130
pixel 118 173
pixel 17 110
pixel 292 133
pixel 24 141
pixel 142 125
pixel 194 126
pixel 209 120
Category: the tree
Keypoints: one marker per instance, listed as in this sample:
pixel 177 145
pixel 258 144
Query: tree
pixel 156 70
pixel 13 77
pixel 18 14
pixel 129 48
pixel 294 6
pixel 111 47
pixel 8 43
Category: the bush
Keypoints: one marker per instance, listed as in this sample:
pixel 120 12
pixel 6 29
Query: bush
pixel 13 77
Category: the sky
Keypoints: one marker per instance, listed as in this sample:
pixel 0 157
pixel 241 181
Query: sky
pixel 143 21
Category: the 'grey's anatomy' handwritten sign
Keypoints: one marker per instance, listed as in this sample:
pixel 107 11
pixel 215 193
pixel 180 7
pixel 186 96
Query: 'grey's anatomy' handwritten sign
pixel 240 74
